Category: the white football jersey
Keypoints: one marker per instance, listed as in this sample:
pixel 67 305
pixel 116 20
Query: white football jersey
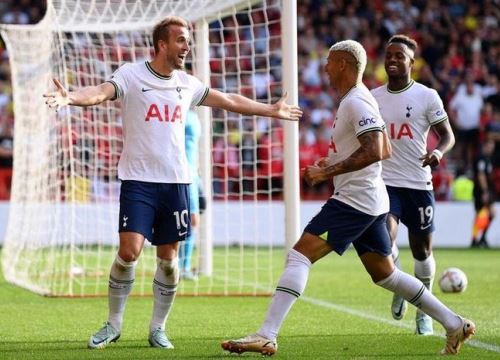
pixel 154 110
pixel 409 113
pixel 363 189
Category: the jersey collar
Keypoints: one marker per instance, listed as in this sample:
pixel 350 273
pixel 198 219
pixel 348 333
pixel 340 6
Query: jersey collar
pixel 347 93
pixel 160 76
pixel 410 84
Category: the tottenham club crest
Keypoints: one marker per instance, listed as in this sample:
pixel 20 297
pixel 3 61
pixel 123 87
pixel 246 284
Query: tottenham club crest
pixel 408 108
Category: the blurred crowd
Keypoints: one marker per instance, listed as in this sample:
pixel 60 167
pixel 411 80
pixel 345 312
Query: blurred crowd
pixel 458 55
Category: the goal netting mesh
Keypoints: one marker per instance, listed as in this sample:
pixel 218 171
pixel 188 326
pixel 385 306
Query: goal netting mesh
pixel 62 231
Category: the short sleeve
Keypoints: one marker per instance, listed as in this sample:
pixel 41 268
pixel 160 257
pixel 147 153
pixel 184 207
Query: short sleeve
pixel 119 80
pixel 200 90
pixel 435 110
pixel 364 116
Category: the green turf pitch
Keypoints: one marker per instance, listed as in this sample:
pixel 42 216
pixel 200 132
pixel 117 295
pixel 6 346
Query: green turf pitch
pixel 341 316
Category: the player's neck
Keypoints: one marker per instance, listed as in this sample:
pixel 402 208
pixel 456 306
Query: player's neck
pixel 399 83
pixel 160 67
pixel 344 88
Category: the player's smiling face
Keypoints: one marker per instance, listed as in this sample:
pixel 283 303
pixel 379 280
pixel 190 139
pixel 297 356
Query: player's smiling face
pixel 177 47
pixel 398 60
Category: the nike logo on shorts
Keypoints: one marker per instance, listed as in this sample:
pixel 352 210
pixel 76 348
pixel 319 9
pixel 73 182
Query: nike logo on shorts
pixel 422 227
pixel 144 90
pixel 182 233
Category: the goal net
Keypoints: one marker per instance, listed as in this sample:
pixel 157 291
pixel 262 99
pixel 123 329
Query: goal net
pixel 62 232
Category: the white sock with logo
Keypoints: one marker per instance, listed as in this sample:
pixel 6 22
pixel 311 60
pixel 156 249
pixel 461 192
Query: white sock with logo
pixel 413 291
pixel 121 279
pixel 425 271
pixel 164 290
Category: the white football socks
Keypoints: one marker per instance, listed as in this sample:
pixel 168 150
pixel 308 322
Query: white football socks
pixel 164 290
pixel 290 286
pixel 121 279
pixel 425 270
pixel 412 290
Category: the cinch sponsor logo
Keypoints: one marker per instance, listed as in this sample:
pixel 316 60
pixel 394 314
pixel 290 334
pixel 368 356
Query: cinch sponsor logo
pixel 439 112
pixel 165 115
pixel 366 121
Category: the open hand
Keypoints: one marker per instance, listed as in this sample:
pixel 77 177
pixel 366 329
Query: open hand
pixel 286 111
pixel 58 98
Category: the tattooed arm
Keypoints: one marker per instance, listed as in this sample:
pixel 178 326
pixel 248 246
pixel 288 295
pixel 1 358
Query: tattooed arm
pixel 375 146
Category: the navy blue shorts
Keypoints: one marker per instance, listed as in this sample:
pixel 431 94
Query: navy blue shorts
pixel 340 225
pixel 158 211
pixel 415 208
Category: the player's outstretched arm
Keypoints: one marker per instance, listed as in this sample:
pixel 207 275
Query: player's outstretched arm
pixel 242 105
pixel 87 96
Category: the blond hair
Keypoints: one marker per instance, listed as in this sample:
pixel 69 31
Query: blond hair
pixel 357 51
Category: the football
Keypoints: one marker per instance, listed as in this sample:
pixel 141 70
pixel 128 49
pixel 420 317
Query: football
pixel 453 280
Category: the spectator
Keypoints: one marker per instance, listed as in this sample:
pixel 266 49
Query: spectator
pixel 466 106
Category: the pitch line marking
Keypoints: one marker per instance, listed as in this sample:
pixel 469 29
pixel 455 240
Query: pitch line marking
pixel 361 314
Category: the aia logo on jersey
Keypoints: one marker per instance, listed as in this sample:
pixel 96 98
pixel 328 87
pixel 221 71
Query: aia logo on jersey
pixel 154 113
pixel 397 133
pixel 367 121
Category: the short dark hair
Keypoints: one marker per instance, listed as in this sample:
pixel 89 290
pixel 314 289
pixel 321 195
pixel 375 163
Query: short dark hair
pixel 160 31
pixel 403 39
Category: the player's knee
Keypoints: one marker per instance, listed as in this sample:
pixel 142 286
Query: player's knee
pixel 124 265
pixel 170 269
pixel 422 254
pixel 128 255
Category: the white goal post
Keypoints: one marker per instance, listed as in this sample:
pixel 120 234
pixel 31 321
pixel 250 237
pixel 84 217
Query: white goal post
pixel 62 230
